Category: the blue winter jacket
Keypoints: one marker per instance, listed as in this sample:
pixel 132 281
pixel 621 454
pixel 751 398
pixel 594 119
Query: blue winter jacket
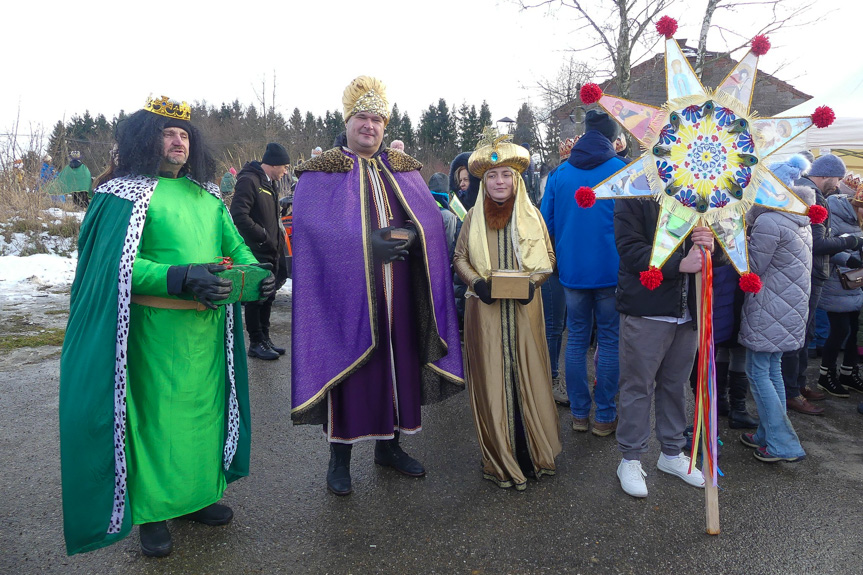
pixel 583 237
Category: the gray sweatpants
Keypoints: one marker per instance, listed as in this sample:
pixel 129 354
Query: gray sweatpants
pixel 656 358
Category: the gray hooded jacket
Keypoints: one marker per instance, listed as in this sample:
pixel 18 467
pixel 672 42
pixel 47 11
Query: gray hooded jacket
pixel 843 221
pixel 780 252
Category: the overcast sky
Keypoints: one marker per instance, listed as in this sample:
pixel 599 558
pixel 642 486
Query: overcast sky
pixel 63 58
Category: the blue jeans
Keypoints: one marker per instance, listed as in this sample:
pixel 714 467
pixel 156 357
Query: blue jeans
pixel 764 370
pixel 554 308
pixel 582 306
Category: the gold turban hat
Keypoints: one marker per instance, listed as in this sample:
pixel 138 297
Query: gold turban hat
pixel 366 94
pixel 495 151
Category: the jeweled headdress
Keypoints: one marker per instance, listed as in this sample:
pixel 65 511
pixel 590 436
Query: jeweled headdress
pixel 495 150
pixel 366 94
pixel 169 108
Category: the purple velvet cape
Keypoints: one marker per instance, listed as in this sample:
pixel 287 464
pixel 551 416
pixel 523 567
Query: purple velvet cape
pixel 334 329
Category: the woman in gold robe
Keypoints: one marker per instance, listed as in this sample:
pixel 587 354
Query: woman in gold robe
pixel 507 365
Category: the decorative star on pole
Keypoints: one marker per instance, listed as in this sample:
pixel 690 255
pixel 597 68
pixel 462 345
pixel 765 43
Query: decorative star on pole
pixel 704 157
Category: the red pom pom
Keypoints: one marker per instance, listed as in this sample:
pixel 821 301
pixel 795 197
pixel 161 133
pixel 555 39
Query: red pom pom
pixel 585 197
pixel 750 282
pixel 817 214
pixel 760 45
pixel 666 26
pixel 651 278
pixel 823 116
pixel 590 93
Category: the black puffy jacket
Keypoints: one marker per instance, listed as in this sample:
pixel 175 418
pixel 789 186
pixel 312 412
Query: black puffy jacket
pixel 255 209
pixel 634 230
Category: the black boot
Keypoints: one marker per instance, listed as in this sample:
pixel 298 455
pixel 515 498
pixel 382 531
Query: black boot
pixel 339 471
pixel 274 347
pixel 738 417
pixel 849 377
pixel 212 515
pixel 155 539
pixel 388 453
pixel 262 351
pixel 722 408
pixel 829 382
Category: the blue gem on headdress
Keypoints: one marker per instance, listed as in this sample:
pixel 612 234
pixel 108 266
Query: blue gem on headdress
pixel 494 156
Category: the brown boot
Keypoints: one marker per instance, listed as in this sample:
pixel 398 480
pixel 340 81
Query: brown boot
pixel 800 405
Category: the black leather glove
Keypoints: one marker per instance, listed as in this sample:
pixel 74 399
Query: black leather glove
pixel 413 235
pixel 206 287
pixel 387 250
pixel 482 289
pixel 854 243
pixel 854 263
pixel 529 295
pixel 268 284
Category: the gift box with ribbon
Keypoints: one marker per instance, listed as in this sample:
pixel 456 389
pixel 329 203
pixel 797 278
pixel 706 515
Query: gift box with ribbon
pixel 246 280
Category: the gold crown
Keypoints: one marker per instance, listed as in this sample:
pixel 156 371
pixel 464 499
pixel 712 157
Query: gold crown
pixel 565 147
pixel 495 150
pixel 169 108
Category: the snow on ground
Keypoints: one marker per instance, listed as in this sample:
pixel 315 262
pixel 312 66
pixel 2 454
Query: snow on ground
pixel 36 275
pixel 33 276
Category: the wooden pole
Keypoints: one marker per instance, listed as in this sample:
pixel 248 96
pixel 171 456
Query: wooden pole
pixel 711 491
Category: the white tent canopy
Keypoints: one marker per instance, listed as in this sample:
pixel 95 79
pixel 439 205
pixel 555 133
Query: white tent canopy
pixel 846 100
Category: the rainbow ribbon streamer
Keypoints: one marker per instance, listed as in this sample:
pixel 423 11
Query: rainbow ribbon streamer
pixel 705 392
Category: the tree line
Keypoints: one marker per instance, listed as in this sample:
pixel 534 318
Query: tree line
pixel 238 133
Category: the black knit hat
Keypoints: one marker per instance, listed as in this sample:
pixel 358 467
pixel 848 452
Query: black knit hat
pixel 276 155
pixel 602 122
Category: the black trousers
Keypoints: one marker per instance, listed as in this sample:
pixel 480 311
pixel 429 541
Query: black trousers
pixel 258 319
pixel 843 337
pixel 794 363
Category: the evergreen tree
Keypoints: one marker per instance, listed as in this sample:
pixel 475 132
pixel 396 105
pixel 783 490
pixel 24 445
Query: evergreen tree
pixel 394 126
pixel 469 128
pixel 334 124
pixel 57 141
pixel 524 126
pixel 484 116
pixel 406 132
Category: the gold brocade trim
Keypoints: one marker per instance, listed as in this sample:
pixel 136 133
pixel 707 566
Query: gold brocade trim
pixel 442 372
pixel 369 259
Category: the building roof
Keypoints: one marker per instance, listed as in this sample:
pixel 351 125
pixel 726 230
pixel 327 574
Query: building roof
pixel 771 97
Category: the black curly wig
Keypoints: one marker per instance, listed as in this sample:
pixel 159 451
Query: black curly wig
pixel 139 140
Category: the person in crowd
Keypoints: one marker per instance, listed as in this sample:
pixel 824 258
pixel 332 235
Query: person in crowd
pixel 439 188
pixel 554 309
pixel 507 356
pixel 464 186
pixel 316 152
pixel 397 145
pixel 255 209
pixel 842 305
pixel 774 321
pixel 658 340
pixel 74 180
pixel 375 333
pixel 229 180
pixel 154 410
pixel 823 178
pixel 47 172
pixel 587 262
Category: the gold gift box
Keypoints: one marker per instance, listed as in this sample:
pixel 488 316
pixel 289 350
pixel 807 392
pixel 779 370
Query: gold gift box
pixel 510 284
pixel 400 234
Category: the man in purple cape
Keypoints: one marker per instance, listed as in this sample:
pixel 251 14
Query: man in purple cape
pixel 375 334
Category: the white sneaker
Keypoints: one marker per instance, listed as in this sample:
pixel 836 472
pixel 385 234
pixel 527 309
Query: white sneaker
pixel 631 477
pixel 679 466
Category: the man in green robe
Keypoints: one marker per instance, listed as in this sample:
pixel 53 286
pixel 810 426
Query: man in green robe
pixel 154 415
